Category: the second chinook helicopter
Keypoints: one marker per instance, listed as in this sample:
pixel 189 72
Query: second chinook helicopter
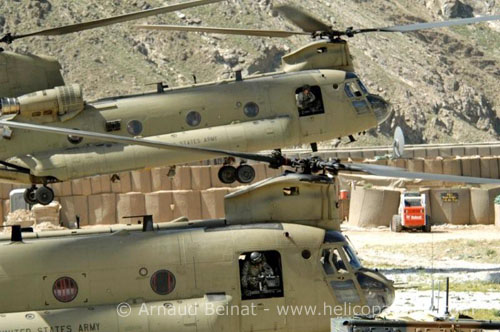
pixel 316 98
pixel 276 262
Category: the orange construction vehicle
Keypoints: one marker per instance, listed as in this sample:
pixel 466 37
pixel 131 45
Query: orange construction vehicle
pixel 412 213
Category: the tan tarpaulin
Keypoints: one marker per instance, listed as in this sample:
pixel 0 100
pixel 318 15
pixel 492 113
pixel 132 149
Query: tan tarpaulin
pixel 373 207
pixel 159 205
pixel 102 209
pixel 482 205
pixel 450 206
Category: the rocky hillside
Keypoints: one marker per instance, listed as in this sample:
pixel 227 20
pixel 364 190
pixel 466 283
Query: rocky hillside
pixel 444 84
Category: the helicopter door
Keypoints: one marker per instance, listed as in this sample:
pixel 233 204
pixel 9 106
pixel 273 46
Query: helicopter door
pixel 261 281
pixel 311 110
pixel 340 278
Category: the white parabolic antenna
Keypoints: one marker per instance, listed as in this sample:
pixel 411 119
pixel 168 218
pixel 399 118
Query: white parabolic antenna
pixel 398 146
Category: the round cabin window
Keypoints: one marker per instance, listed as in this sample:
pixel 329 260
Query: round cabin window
pixel 75 139
pixel 134 127
pixel 65 289
pixel 251 109
pixel 193 118
pixel 163 282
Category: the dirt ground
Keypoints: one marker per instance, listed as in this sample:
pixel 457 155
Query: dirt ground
pixel 468 255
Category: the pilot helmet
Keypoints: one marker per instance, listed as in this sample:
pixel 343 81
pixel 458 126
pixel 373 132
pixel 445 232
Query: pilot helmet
pixel 256 257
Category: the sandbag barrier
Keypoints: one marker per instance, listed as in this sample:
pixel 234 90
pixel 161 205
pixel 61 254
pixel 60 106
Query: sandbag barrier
pixel 194 192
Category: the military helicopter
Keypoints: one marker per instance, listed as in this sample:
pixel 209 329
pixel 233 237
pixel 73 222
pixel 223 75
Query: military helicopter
pixel 278 249
pixel 255 113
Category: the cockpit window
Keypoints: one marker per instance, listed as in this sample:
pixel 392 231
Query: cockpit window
pixel 345 291
pixel 352 90
pixel 351 256
pixel 361 106
pixel 362 87
pixel 332 261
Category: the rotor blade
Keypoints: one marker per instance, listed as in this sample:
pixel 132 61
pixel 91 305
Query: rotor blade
pixel 225 31
pixel 136 141
pixel 395 172
pixel 429 25
pixel 301 19
pixel 113 20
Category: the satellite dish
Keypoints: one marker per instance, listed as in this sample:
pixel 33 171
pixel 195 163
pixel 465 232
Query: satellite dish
pixel 398 146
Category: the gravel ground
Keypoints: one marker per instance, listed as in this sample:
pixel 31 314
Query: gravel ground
pixel 468 255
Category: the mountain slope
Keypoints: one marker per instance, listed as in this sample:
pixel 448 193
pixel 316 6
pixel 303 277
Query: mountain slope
pixel 443 84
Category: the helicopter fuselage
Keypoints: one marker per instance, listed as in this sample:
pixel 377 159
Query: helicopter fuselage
pixel 252 114
pixel 116 281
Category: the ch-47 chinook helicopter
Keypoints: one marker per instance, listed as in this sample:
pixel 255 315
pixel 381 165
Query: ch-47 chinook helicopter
pixel 278 249
pixel 256 113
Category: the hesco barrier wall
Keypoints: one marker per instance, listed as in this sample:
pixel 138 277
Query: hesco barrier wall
pixel 194 192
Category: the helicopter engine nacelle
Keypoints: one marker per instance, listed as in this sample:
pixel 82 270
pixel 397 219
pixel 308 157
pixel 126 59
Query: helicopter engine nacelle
pixel 61 103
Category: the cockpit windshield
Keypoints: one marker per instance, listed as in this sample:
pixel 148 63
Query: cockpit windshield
pixel 338 254
pixel 351 256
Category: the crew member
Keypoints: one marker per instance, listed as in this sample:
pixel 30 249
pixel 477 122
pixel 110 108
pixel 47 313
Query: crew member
pixel 254 272
pixel 306 100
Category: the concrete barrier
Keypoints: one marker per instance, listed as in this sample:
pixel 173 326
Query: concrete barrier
pixel 471 166
pixel 212 203
pixel 73 206
pixel 497 215
pixel 415 165
pixel 102 209
pixel 200 178
pixel 450 206
pixel 130 204
pixel 182 178
pixel 141 181
pixel 452 167
pixel 50 213
pixel 62 189
pixel 81 187
pixel 123 185
pixel 159 205
pixel 187 203
pixel 372 207
pixel 96 185
pixel 482 205
pixel 433 166
pixel 160 180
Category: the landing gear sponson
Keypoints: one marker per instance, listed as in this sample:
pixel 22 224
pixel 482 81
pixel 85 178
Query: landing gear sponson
pixel 41 195
pixel 33 195
pixel 243 174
